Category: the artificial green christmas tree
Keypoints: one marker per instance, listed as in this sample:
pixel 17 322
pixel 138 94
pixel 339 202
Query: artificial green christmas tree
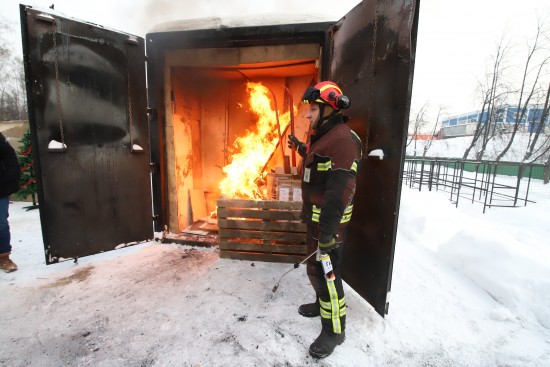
pixel 27 182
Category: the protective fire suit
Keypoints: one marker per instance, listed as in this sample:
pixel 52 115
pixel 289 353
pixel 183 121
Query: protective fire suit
pixel 329 171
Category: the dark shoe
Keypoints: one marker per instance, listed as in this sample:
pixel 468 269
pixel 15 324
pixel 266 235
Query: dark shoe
pixel 6 264
pixel 310 309
pixel 325 343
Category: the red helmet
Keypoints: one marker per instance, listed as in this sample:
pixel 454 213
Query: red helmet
pixel 327 92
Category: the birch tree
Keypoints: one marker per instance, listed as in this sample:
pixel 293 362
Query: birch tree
pixel 533 68
pixel 428 143
pixel 494 91
pixel 417 125
pixel 539 124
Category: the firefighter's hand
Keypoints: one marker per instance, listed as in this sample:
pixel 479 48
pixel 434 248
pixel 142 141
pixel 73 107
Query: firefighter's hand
pixel 294 143
pixel 327 243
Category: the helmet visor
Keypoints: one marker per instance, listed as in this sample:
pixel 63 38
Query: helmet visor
pixel 311 94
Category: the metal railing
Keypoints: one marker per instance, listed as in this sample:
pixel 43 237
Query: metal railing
pixel 494 184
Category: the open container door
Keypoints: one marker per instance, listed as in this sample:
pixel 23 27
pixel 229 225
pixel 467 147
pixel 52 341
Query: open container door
pixel 379 85
pixel 90 138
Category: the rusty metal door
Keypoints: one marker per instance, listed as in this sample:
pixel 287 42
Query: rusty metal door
pixel 370 53
pixel 90 138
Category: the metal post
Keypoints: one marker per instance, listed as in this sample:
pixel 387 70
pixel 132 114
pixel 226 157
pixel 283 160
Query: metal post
pixel 412 171
pixel 430 179
pixel 528 183
pixel 492 187
pixel 453 183
pixel 518 183
pixel 421 176
pixel 485 179
pixel 438 173
pixel 475 182
pixel 461 174
pixel 446 172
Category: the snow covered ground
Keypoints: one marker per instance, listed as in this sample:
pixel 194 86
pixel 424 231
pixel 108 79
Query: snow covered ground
pixel 469 289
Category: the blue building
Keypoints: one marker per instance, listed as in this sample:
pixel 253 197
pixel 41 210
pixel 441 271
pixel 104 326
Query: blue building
pixel 465 124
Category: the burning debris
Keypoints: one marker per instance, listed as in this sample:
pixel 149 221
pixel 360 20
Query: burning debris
pixel 246 178
pixel 250 153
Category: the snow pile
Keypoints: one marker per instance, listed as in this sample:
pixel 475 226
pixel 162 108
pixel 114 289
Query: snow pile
pixel 504 251
pixel 468 289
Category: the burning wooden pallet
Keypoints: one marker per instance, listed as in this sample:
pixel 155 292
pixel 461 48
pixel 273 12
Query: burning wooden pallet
pixel 261 230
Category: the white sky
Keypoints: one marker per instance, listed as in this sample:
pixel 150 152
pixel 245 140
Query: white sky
pixel 455 38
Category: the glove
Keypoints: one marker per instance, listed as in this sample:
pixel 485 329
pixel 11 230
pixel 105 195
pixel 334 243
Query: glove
pixel 327 243
pixel 300 147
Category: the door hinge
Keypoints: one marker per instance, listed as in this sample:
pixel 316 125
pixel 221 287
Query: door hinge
pixel 45 18
pixel 153 168
pixel 132 40
pixel 151 112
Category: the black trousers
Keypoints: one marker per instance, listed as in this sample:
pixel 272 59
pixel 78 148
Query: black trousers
pixel 329 293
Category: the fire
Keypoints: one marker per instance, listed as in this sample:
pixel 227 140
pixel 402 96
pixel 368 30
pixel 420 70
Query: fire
pixel 251 152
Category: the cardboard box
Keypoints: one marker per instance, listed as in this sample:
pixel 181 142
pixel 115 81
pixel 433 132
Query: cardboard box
pixel 289 189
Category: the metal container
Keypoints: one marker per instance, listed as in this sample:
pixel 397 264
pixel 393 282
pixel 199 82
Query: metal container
pixel 119 174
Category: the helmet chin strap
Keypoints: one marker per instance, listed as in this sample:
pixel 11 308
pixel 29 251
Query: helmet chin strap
pixel 322 118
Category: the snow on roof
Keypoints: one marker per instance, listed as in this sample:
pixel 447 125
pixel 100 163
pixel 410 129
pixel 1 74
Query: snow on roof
pixel 240 21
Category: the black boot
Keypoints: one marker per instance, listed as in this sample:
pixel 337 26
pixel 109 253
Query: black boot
pixel 310 309
pixel 326 342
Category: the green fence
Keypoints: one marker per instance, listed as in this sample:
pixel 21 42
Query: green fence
pixel 503 184
pixel 535 171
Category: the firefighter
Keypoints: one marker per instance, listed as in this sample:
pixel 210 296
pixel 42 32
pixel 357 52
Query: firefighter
pixel 329 168
pixel 9 183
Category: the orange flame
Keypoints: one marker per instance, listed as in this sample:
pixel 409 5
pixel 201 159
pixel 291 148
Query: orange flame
pixel 251 152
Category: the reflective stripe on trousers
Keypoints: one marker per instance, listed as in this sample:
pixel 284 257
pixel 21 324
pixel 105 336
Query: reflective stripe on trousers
pixel 334 309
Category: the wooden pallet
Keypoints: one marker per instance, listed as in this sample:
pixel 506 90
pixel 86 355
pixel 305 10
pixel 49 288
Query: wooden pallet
pixel 261 230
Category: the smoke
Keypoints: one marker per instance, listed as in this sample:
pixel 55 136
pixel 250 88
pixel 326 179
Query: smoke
pixel 155 12
pixel 160 11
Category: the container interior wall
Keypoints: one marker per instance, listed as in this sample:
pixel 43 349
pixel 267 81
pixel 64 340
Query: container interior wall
pixel 210 109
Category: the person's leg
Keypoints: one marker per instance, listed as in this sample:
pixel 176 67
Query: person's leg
pixel 5 246
pixel 332 306
pixel 312 309
pixel 6 263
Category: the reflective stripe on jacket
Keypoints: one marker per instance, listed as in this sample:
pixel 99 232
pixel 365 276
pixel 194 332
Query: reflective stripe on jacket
pixel 329 174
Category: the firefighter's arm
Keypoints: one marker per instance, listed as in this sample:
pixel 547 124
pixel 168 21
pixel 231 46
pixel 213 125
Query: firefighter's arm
pixel 339 192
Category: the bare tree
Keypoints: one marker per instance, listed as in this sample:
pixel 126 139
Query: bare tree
pixel 528 88
pixel 496 104
pixel 5 56
pixel 18 88
pixel 533 138
pixel 417 125
pixel 494 92
pixel 434 129
pixel 5 51
pixel 479 127
pixel 12 78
